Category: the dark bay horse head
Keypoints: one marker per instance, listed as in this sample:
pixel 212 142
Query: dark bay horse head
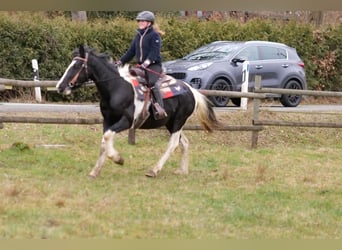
pixel 121 108
pixel 77 72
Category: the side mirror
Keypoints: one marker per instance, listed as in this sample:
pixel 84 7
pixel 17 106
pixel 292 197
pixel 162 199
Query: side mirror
pixel 238 60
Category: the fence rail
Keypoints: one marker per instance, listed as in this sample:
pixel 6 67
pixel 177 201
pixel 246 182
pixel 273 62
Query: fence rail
pixel 257 123
pixel 297 124
pixel 299 92
pixel 23 83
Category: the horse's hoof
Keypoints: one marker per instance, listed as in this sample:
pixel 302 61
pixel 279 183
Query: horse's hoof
pixel 120 161
pixel 180 172
pixel 151 173
pixel 92 176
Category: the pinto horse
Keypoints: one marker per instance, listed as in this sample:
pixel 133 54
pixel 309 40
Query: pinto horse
pixel 121 106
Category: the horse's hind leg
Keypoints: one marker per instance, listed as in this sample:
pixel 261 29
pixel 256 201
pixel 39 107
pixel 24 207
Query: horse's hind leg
pixel 173 144
pixel 184 146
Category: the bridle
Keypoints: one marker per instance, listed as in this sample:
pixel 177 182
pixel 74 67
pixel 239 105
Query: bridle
pixel 73 81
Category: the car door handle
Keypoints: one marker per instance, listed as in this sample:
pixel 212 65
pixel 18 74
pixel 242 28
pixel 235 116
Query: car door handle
pixel 285 65
pixel 259 67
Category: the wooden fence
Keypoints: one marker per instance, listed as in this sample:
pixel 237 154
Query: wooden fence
pixel 257 123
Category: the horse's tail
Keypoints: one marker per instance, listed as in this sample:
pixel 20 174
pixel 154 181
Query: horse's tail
pixel 205 112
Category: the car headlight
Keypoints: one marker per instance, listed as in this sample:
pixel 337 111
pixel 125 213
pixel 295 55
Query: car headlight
pixel 200 66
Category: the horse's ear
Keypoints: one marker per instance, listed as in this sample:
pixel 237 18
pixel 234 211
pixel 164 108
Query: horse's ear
pixel 82 51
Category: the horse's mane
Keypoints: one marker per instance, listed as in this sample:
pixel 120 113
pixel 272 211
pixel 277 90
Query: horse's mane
pixel 107 60
pixel 105 57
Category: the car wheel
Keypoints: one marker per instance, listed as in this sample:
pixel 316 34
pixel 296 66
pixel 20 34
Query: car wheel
pixel 220 101
pixel 291 100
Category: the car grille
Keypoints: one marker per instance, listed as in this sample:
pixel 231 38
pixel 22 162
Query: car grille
pixel 178 75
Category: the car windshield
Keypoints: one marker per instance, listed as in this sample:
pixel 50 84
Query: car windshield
pixel 211 51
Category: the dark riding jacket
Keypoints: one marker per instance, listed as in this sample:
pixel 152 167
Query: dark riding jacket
pixel 146 45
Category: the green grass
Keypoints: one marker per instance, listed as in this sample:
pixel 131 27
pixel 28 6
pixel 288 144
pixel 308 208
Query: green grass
pixel 290 187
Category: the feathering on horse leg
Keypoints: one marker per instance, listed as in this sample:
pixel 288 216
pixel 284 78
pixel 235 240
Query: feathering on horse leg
pixel 110 150
pixel 184 146
pixel 172 145
pixel 100 161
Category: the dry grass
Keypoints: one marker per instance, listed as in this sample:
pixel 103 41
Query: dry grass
pixel 289 187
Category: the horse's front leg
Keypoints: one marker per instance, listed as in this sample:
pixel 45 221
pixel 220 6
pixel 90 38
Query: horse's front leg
pixel 123 124
pixel 100 161
pixel 106 150
pixel 173 144
pixel 110 150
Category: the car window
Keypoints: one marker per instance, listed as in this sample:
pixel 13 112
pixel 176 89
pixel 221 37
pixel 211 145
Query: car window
pixel 268 53
pixel 250 54
pixel 211 52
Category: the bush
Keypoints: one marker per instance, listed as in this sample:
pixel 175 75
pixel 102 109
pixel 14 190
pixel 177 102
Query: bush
pixel 27 35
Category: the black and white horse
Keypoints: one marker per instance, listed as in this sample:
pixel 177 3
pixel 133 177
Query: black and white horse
pixel 121 106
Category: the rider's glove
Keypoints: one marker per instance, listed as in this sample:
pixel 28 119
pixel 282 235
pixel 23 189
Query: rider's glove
pixel 145 64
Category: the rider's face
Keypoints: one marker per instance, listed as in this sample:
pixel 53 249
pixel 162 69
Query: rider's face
pixel 143 24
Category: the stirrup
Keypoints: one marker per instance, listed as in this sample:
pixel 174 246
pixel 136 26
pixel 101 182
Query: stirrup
pixel 158 111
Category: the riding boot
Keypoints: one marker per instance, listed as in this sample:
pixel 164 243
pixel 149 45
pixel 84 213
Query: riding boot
pixel 158 105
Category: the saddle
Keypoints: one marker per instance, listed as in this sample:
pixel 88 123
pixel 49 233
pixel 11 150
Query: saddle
pixel 142 79
pixel 169 87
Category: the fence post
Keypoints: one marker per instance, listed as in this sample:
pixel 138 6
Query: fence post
pixel 244 85
pixel 37 92
pixel 131 136
pixel 256 106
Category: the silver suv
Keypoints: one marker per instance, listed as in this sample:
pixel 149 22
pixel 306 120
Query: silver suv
pixel 218 66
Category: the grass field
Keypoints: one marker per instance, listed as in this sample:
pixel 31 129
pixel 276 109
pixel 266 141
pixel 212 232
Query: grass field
pixel 289 187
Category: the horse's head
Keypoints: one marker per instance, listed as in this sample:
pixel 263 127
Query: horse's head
pixel 76 74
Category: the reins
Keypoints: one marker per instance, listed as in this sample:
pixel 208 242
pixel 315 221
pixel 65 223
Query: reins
pixel 150 70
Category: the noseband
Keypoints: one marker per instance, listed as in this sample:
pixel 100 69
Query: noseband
pixel 73 81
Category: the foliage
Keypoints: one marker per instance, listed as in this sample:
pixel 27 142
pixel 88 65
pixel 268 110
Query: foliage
pixel 329 65
pixel 51 38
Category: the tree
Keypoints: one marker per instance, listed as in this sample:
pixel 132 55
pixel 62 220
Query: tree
pixel 316 17
pixel 80 16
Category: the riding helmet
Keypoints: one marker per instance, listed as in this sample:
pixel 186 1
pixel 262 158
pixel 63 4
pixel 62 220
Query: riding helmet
pixel 146 16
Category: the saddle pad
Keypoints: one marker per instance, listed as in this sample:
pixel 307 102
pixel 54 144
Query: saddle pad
pixel 168 88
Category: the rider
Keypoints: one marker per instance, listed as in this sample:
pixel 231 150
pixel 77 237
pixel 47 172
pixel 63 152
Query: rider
pixel 146 47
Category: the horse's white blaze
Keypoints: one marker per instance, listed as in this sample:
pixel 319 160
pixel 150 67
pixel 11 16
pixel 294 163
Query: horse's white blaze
pixel 65 73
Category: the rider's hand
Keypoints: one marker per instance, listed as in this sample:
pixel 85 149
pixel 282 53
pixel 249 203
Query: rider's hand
pixel 145 64
pixel 118 63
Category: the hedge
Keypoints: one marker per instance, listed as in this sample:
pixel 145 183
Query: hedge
pixel 28 35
